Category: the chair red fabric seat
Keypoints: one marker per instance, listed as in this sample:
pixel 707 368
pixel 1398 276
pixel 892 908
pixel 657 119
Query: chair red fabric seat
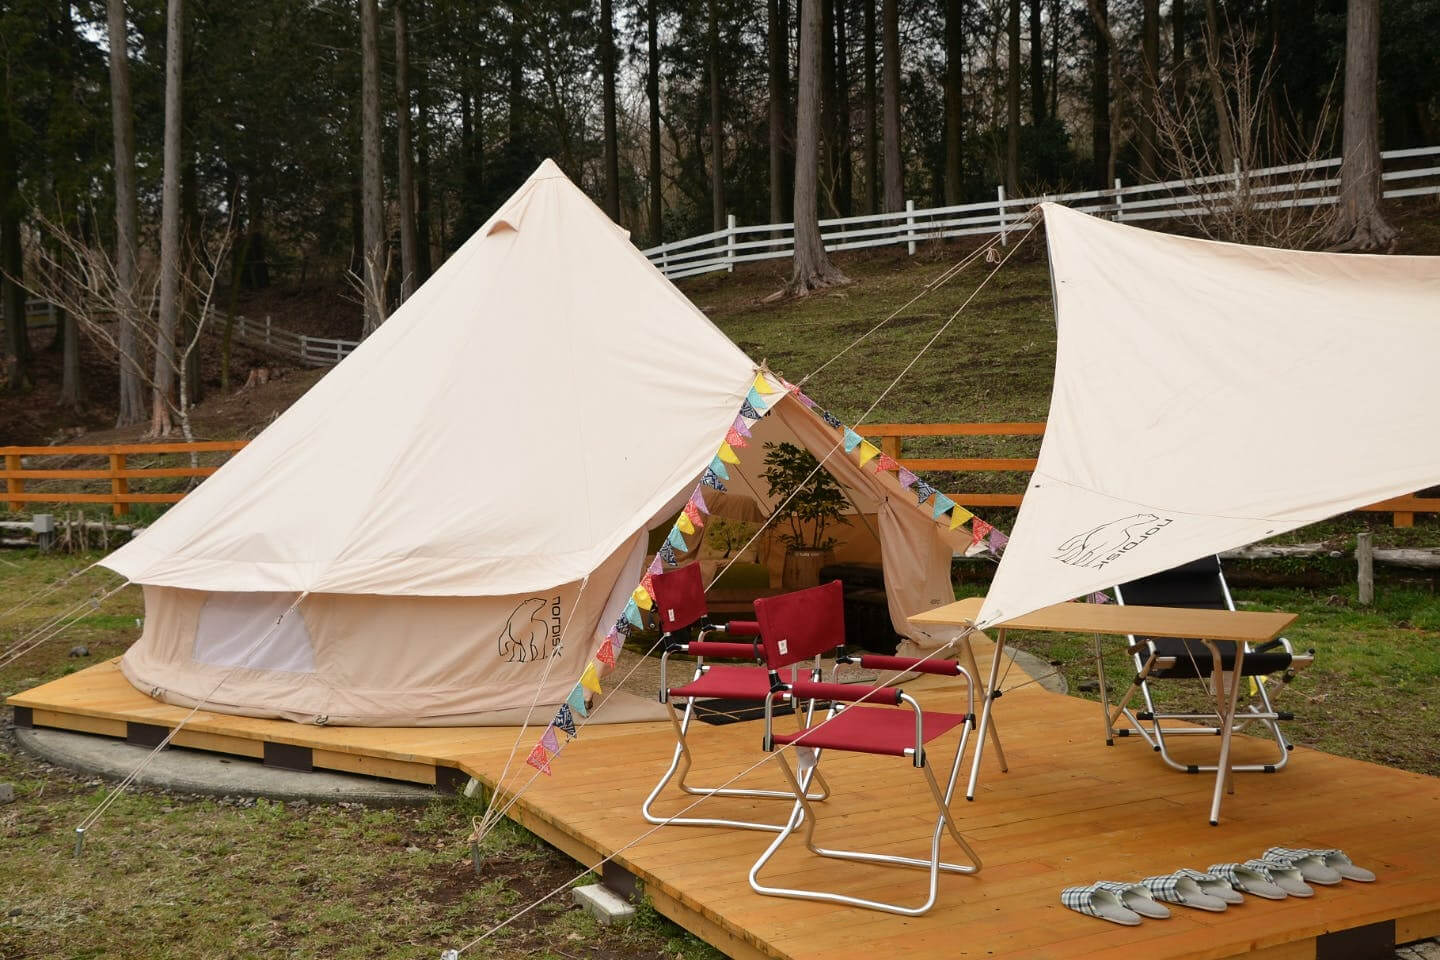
pixel 883 730
pixel 737 683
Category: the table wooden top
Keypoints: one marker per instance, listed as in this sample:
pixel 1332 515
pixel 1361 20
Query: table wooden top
pixel 1242 626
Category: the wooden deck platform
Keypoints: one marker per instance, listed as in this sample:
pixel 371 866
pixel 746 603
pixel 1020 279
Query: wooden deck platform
pixel 1069 811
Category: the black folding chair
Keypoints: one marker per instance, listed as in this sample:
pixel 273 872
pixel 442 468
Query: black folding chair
pixel 1198 585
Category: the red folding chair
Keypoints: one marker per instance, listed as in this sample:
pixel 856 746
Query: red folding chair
pixel 680 608
pixel 798 625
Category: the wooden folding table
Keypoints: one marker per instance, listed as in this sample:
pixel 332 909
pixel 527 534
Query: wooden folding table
pixel 1207 626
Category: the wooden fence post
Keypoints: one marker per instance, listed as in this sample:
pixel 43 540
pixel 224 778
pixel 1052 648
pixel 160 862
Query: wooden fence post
pixel 1365 562
pixel 910 226
pixel 1119 201
pixel 1000 209
pixel 14 484
pixel 890 446
pixel 119 486
pixel 730 243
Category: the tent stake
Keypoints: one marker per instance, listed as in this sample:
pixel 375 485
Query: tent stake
pixel 79 841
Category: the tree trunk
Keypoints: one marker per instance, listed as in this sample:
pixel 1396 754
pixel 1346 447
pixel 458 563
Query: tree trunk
pixel 829 111
pixel 16 367
pixel 1012 105
pixel 1057 21
pixel 169 319
pixel 372 185
pixel 845 167
pixel 717 131
pixel 1213 47
pixel 954 102
pixel 1179 65
pixel 405 180
pixel 423 260
pixel 122 121
pixel 872 144
pixel 1100 93
pixel 776 39
pixel 72 388
pixel 607 71
pixel 1361 225
pixel 1149 86
pixel 812 269
pixel 1037 65
pixel 652 91
pixel 894 173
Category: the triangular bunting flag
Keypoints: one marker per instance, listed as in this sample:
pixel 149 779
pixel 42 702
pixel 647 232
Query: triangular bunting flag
pixel 539 759
pixel 923 491
pixel 656 567
pixel 576 701
pixel 550 741
pixel 712 480
pixel 684 524
pixel 998 540
pixel 749 412
pixel 642 597
pixel 727 454
pixel 698 499
pixel 740 427
pixel 979 530
pixel 736 439
pixel 958 516
pixel 565 719
pixel 676 540
pixel 906 478
pixel 617 643
pixel 868 452
pixel 886 462
pixel 697 519
pixel 852 440
pixel 647 583
pixel 623 627
pixel 632 613
pixel 667 554
pixel 717 467
pixel 831 419
pixel 756 402
pixel 800 395
pixel 943 504
pixel 762 385
pixel 1100 596
pixel 605 654
pixel 590 679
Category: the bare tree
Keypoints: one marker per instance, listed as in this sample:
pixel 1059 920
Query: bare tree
pixel 1149 84
pixel 1361 225
pixel 652 91
pixel 80 277
pixel 717 129
pixel 776 42
pixel 122 119
pixel 405 185
pixel 1222 199
pixel 372 185
pixel 954 103
pixel 894 172
pixel 163 381
pixel 872 158
pixel 607 71
pixel 1037 66
pixel 1012 102
pixel 1214 44
pixel 812 269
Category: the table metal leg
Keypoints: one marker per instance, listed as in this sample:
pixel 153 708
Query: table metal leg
pixel 974 669
pixel 1104 693
pixel 985 712
pixel 1223 775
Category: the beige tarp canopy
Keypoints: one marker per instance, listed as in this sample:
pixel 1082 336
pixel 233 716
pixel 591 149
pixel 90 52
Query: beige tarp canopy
pixel 464 502
pixel 1208 395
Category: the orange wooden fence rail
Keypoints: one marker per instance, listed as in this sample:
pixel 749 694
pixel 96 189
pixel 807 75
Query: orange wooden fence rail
pixel 892 437
pixel 118 472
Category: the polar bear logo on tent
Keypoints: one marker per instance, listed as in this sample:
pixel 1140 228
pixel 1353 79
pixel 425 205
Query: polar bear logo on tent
pixel 1100 545
pixel 526 633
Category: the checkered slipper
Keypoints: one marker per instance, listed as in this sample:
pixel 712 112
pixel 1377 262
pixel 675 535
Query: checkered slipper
pixel 1186 891
pixel 1285 877
pixel 1095 902
pixel 1217 887
pixel 1136 897
pixel 1247 879
pixel 1310 863
pixel 1337 860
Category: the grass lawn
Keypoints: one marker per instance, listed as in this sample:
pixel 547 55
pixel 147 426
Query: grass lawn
pixel 204 879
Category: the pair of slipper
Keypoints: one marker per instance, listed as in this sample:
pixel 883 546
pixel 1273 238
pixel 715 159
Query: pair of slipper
pixel 1281 873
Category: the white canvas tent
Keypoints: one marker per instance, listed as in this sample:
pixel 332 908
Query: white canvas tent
pixel 1208 395
pixel 468 496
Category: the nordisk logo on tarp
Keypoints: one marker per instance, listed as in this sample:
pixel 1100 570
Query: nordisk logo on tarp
pixel 533 631
pixel 1110 541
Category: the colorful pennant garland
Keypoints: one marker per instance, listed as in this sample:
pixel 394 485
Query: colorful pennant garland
pixel 684 524
pixel 642 596
pixel 740 428
pixel 886 462
pixel 550 741
pixel 749 412
pixel 979 530
pixel 565 720
pixel 576 701
pixel 727 454
pixel 831 419
pixel 906 478
pixel 852 440
pixel 605 655
pixel 698 499
pixel 734 438
pixel 958 516
pixel 667 554
pixel 997 540
pixel 942 506
pixel 539 759
pixel 717 467
pixel 694 515
pixel 868 452
pixel 923 491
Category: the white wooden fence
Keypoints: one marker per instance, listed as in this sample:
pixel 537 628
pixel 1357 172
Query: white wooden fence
pixel 1292 185
pixel 264 335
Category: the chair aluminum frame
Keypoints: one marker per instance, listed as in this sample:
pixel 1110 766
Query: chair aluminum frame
pixel 802 813
pixel 681 761
pixel 1224 685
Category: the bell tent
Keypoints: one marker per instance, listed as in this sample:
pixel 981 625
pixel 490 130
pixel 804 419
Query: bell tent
pixel 444 526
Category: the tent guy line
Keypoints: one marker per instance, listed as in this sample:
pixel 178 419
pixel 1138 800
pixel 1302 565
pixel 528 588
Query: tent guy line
pixel 55 627
pixel 93 817
pixel 41 595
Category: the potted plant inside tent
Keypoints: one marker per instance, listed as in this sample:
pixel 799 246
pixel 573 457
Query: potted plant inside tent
pixel 809 504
